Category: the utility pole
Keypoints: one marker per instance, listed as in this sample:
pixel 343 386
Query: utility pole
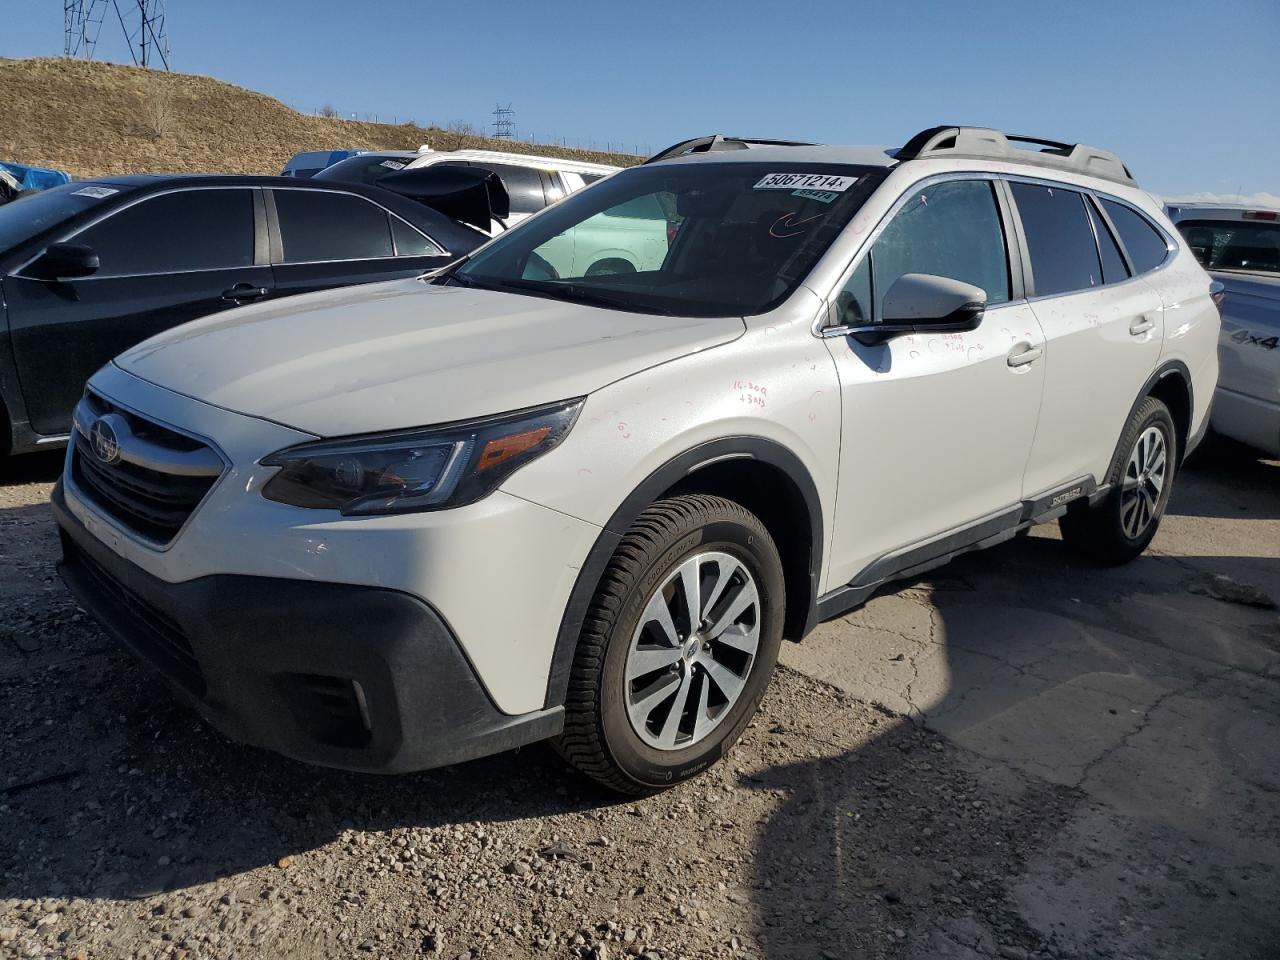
pixel 503 122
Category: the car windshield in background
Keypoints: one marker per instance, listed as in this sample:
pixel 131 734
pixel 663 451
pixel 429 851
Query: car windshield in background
pixel 1234 244
pixel 363 169
pixel 696 239
pixel 32 214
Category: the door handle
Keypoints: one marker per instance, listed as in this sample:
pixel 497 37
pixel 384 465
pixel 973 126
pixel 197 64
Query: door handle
pixel 243 292
pixel 1140 325
pixel 1025 356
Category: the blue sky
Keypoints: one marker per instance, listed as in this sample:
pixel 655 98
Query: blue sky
pixel 1184 91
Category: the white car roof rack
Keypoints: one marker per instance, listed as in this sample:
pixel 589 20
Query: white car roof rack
pixel 716 143
pixel 942 143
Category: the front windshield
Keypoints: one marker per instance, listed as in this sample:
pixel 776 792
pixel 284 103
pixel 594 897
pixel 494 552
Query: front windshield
pixel 698 239
pixel 34 213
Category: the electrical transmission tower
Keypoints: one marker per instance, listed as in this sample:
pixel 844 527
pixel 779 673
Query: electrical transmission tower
pixel 141 21
pixel 503 122
pixel 82 21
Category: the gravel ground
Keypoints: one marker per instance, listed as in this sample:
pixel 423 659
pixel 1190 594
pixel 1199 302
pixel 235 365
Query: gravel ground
pixel 835 829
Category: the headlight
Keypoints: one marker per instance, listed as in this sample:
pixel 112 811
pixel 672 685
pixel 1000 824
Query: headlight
pixel 428 469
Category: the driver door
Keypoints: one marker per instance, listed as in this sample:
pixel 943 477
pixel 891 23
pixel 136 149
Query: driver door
pixel 937 428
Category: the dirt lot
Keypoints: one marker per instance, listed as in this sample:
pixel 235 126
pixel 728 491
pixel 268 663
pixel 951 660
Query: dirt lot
pixel 1016 757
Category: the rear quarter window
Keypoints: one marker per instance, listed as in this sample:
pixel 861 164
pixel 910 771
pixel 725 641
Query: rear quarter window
pixel 1146 245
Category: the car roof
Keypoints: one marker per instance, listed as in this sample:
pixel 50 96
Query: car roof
pixel 522 159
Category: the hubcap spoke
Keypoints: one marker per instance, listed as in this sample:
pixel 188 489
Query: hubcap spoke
pixel 730 683
pixel 656 694
pixel 658 612
pixel 727 570
pixel 692 589
pixel 648 659
pixel 702 723
pixel 671 726
pixel 738 605
pixel 742 639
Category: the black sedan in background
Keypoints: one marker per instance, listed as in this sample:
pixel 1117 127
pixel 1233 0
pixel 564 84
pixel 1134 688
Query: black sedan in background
pixel 93 267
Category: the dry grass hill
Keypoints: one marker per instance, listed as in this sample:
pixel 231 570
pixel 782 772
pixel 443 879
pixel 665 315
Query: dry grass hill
pixel 101 118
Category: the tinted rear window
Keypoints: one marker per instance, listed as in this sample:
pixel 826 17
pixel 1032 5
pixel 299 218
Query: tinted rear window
pixel 1233 244
pixel 1147 248
pixel 1060 240
pixel 363 169
pixel 316 226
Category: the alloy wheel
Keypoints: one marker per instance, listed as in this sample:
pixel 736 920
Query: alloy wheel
pixel 692 651
pixel 1144 479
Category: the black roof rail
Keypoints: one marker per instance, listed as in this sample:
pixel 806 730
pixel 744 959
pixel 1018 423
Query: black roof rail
pixel 973 142
pixel 715 143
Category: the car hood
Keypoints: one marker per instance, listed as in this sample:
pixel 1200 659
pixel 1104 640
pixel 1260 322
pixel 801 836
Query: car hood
pixel 407 353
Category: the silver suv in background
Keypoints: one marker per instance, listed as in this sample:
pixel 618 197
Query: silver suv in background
pixel 1240 247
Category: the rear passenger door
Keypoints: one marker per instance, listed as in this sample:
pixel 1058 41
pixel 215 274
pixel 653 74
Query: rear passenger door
pixel 330 238
pixel 1103 329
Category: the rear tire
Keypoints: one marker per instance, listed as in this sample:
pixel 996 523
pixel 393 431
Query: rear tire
pixel 1122 525
pixel 657 693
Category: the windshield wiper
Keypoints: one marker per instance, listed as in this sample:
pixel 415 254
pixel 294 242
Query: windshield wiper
pixel 578 294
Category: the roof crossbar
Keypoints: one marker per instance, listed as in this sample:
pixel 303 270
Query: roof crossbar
pixel 974 142
pixel 716 143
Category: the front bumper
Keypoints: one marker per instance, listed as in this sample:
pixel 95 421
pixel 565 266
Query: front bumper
pixel 361 678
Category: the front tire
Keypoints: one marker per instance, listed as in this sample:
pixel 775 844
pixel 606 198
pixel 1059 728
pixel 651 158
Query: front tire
pixel 678 647
pixel 1122 525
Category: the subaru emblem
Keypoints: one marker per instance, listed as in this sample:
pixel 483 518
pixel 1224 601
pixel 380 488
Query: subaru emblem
pixel 102 436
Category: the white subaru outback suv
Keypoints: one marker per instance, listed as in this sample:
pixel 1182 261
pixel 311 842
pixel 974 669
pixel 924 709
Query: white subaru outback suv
pixel 406 524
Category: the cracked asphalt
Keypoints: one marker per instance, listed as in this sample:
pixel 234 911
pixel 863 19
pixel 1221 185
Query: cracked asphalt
pixel 1016 756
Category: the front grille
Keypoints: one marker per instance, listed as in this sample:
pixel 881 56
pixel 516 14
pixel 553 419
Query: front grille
pixel 152 503
pixel 156 634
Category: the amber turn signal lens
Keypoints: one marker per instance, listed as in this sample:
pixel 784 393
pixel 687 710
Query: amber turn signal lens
pixel 501 449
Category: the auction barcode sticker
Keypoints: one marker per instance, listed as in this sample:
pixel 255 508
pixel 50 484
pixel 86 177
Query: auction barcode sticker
pixel 96 192
pixel 392 164
pixel 805 181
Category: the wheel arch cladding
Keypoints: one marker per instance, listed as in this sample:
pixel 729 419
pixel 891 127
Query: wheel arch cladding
pixel 1171 385
pixel 761 475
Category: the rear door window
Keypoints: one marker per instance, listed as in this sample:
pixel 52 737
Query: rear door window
pixel 948 229
pixel 1147 247
pixel 175 233
pixel 1064 255
pixel 316 225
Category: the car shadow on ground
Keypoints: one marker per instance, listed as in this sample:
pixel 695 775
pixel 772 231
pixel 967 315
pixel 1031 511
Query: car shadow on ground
pixel 1110 768
pixel 43 467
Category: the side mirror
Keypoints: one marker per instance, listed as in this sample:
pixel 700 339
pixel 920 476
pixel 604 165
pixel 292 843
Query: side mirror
pixel 921 303
pixel 66 261
pixel 929 304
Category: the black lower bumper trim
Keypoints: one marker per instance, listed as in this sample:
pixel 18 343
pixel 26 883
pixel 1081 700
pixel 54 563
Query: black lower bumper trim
pixel 361 678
